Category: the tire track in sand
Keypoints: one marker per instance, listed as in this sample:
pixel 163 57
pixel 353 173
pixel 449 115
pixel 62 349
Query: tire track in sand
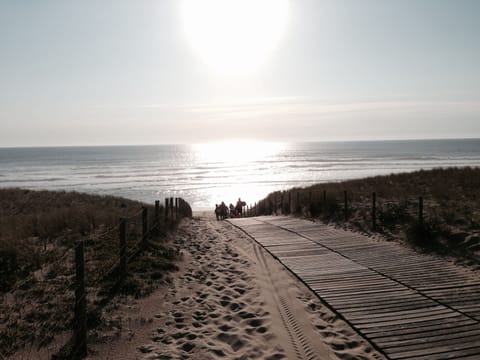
pixel 291 323
pixel 314 331
pixel 297 334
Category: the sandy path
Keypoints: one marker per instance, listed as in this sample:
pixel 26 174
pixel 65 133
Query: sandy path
pixel 230 300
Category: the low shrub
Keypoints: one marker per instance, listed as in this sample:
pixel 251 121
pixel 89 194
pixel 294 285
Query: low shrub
pixel 8 268
pixel 330 208
pixel 391 214
pixel 427 234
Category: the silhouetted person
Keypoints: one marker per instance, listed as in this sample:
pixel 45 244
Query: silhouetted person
pixel 223 211
pixel 217 211
pixel 239 207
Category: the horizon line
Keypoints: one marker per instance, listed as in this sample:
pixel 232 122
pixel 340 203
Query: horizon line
pixel 237 140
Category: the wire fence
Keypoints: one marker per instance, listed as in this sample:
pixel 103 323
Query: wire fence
pixel 342 205
pixel 448 195
pixel 84 272
pixel 444 218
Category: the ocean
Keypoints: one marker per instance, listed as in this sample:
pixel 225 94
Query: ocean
pixel 207 174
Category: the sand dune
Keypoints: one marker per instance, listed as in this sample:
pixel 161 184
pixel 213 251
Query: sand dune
pixel 230 300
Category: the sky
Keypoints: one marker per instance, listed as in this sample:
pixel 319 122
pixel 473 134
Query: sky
pixel 117 72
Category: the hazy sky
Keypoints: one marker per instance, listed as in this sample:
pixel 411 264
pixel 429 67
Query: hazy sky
pixel 171 71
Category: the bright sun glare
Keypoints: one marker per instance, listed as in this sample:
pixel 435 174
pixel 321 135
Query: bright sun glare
pixel 237 151
pixel 234 36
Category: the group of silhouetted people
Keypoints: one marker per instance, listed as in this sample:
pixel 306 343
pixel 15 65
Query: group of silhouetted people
pixel 223 211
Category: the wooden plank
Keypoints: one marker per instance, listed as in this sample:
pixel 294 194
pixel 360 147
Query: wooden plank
pixel 366 324
pixel 434 343
pixel 475 356
pixel 433 337
pixel 389 339
pixel 418 327
pixel 369 295
pixel 442 351
pixel 383 307
pixel 403 314
pixel 410 305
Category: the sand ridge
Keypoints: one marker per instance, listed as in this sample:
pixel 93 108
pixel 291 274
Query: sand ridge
pixel 230 300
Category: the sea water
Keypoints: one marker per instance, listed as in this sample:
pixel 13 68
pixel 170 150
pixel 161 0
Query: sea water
pixel 207 174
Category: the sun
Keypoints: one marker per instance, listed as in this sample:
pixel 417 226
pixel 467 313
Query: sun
pixel 234 36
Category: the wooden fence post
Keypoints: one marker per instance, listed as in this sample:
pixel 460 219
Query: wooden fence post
pixel 176 208
pixel 374 210
pixel 298 202
pixel 144 225
pixel 324 195
pixel 289 202
pixel 123 248
pixel 255 211
pixel 420 209
pixel 157 215
pixel 171 209
pixel 166 209
pixel 345 204
pixel 80 332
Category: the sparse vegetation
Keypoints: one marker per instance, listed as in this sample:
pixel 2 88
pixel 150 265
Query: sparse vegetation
pixel 451 207
pixel 391 214
pixel 38 231
pixel 427 234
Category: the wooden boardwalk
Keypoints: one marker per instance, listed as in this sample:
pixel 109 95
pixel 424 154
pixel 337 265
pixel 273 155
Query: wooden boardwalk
pixel 408 305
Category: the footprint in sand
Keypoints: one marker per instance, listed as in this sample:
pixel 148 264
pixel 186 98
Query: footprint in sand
pixel 218 352
pixel 255 322
pixel 228 318
pixel 199 315
pixel 187 347
pixel 233 340
pixel 225 328
pixel 345 345
pixel 225 301
pixel 275 357
pixel 239 290
pixel 246 315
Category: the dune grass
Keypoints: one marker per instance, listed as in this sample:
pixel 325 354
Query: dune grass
pixel 38 231
pixel 451 221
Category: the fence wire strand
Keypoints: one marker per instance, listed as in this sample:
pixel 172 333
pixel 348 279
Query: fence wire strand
pixel 136 236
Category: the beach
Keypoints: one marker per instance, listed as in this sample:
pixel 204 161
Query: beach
pixel 269 179
pixel 204 289
pixel 232 300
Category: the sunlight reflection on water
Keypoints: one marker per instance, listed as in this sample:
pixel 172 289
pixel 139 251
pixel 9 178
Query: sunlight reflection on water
pixel 235 164
pixel 207 174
